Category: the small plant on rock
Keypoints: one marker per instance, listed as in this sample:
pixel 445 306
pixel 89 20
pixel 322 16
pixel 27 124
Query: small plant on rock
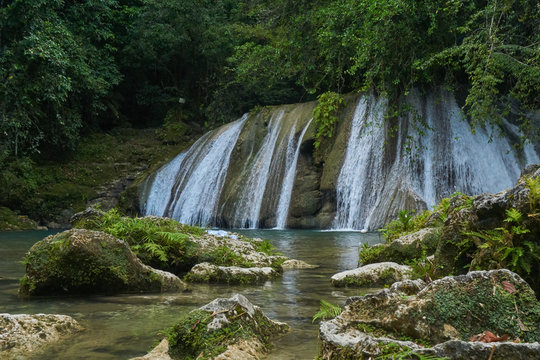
pixel 327 311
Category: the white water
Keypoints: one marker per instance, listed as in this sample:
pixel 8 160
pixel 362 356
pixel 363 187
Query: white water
pixel 362 167
pixel 249 202
pixel 288 181
pixel 193 193
pixel 443 158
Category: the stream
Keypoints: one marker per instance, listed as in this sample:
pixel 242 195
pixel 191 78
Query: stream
pixel 125 326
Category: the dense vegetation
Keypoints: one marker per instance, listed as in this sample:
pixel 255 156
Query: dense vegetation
pixel 69 68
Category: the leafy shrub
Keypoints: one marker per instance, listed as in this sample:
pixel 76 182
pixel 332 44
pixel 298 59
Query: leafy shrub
pixel 325 115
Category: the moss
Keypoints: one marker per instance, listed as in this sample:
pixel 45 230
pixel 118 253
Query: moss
pixel 191 339
pixel 475 307
pixel 53 266
pixel 9 220
pixel 370 254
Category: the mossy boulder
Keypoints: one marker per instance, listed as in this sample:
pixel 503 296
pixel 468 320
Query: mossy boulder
pixel 9 220
pixel 226 328
pixel 439 319
pixel 372 275
pixel 80 261
pixel 406 247
pixel 22 335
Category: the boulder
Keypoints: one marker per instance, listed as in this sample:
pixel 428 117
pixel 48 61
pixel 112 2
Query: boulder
pixel 406 247
pixel 209 273
pixel 293 264
pixel 372 275
pixel 440 320
pixel 230 328
pixel 80 261
pixel 21 335
pixel 160 352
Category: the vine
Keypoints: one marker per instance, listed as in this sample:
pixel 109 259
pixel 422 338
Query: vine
pixel 325 115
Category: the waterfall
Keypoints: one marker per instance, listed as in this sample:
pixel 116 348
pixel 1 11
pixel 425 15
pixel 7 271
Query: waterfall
pixel 191 196
pixel 259 172
pixel 436 154
pixel 249 203
pixel 288 181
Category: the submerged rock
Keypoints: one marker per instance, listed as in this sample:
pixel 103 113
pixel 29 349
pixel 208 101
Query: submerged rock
pixel 21 335
pixel 378 274
pixel 293 264
pixel 82 261
pixel 443 314
pixel 160 352
pixel 230 328
pixel 206 272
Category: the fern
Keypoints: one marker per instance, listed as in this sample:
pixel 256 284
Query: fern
pixel 156 250
pixel 534 192
pixel 513 216
pixel 327 310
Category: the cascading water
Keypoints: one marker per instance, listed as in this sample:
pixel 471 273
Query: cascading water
pixel 260 171
pixel 362 166
pixel 288 182
pixel 191 195
pixel 248 205
pixel 434 157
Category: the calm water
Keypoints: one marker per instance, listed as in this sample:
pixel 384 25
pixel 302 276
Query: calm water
pixel 124 326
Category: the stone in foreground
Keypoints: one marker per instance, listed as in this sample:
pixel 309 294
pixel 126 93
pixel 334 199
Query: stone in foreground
pixel 230 328
pixel 372 275
pixel 21 335
pixel 209 273
pixel 439 320
pixel 82 261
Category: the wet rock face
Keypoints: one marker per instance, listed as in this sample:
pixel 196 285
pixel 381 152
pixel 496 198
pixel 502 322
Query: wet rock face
pixel 226 328
pixel 378 274
pixel 80 261
pixel 443 314
pixel 21 335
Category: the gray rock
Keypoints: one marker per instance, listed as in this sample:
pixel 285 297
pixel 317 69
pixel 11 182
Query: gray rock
pixel 372 275
pixel 206 272
pixel 445 312
pixel 293 264
pixel 80 261
pixel 22 335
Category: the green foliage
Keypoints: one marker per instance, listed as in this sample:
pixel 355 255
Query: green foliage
pixel 325 115
pixel 369 254
pixel 394 351
pixel 57 70
pixel 533 184
pixel 223 256
pixel 507 247
pixel 163 244
pixel 327 311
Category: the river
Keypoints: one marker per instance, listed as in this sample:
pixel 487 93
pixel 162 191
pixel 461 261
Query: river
pixel 125 326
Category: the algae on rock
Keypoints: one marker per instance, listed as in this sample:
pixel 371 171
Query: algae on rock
pixel 82 261
pixel 222 329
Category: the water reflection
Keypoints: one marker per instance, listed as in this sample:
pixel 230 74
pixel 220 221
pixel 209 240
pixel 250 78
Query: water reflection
pixel 120 327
